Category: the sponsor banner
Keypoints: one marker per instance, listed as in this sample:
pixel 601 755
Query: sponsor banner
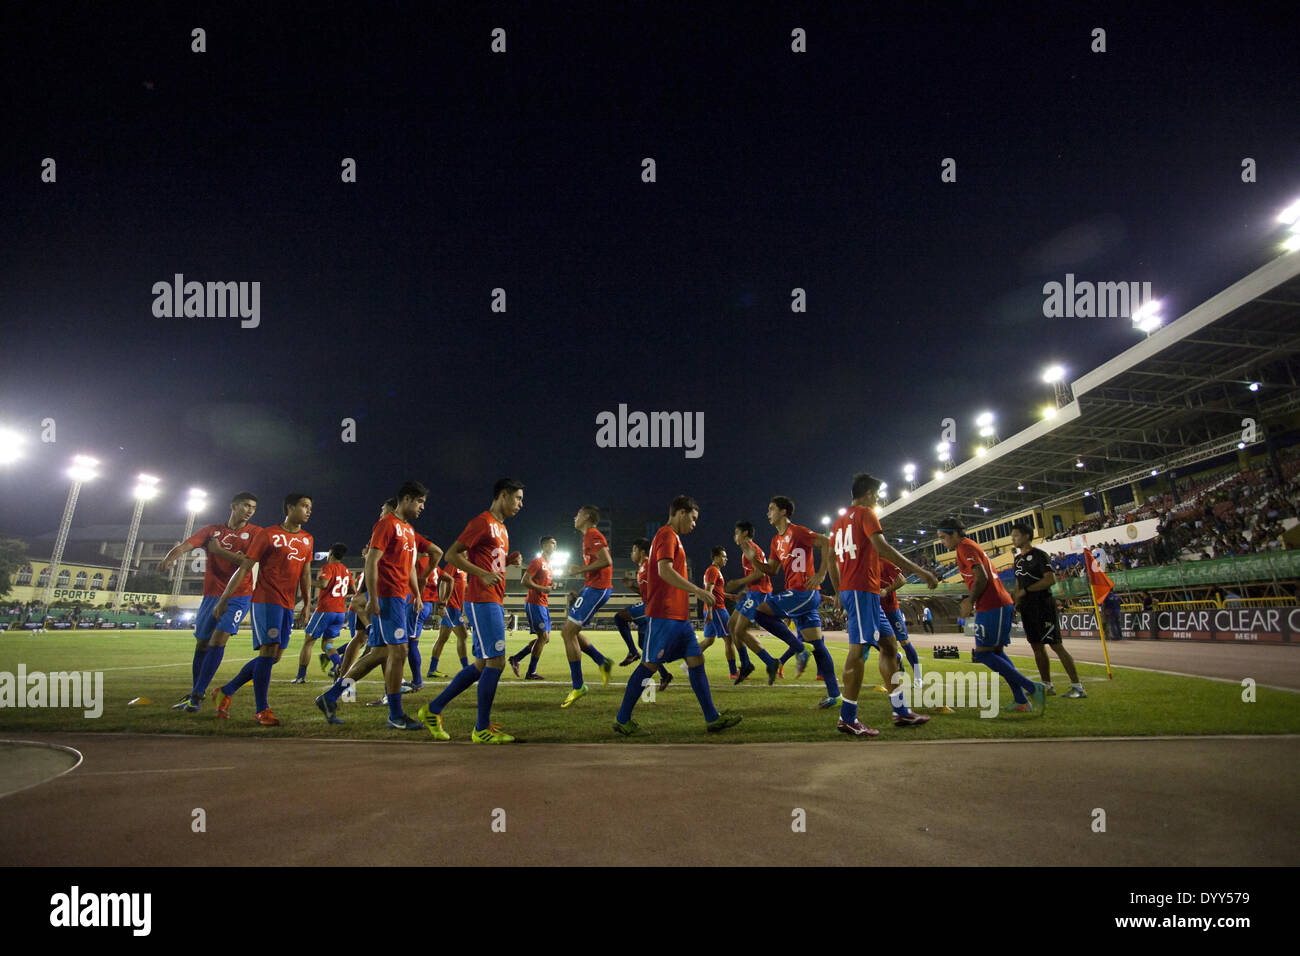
pixel 107 624
pixel 1267 625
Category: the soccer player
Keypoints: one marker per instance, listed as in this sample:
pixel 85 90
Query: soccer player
pixel 537 605
pixel 993 613
pixel 225 544
pixel 891 579
pixel 390 569
pixel 927 619
pixel 860 546
pixel 716 616
pixel 483 552
pixel 792 554
pixel 283 556
pixel 635 613
pixel 426 575
pixel 669 635
pixel 1037 606
pixel 452 620
pixel 332 586
pixel 598 568
pixel 757 585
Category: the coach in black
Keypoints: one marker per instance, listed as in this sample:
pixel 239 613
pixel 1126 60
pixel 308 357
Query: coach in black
pixel 1037 607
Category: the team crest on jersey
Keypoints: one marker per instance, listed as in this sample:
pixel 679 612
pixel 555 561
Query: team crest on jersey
pixel 244 535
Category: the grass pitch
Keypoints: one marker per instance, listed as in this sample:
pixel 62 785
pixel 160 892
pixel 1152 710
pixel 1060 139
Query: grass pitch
pixel 156 665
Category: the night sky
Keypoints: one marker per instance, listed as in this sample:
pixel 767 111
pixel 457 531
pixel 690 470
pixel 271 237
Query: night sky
pixel 522 171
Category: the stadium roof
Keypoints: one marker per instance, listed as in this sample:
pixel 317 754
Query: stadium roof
pixel 1175 398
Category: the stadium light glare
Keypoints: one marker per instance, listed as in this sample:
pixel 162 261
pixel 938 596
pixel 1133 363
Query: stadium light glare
pixel 906 493
pixel 844 511
pixel 908 468
pixel 1049 412
pixel 1290 215
pixel 980 451
pixel 945 456
pixel 146 487
pixel 1078 464
pixel 1053 374
pixel 1147 317
pixel 197 501
pixel 1087 494
pixel 11 446
pixel 1254 386
pixel 826 519
pixel 1020 487
pixel 938 475
pixel 984 419
pixel 1292 242
pixel 986 431
pixel 1241 444
pixel 1153 472
pixel 560 558
pixel 84 468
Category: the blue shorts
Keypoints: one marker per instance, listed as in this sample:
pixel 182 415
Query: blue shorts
pixel 415 618
pixel 866 621
pixel 587 604
pixel 668 640
pixel 539 618
pixel 899 623
pixel 637 613
pixel 799 606
pixel 715 624
pixel 389 625
pixel 451 617
pixel 272 624
pixel 205 624
pixel 488 619
pixel 326 624
pixel 993 627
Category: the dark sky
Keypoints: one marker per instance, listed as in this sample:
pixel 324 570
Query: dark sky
pixel 522 171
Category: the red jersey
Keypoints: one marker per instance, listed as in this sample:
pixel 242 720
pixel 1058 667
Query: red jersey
pixel 280 555
pixel 969 554
pixel 641 572
pixel 431 582
pixel 486 546
pixel 396 540
pixel 333 597
pixel 458 578
pixel 592 542
pixel 889 573
pixel 540 571
pixel 794 550
pixel 764 583
pixel 662 599
pixel 713 580
pixel 856 555
pixel 217 570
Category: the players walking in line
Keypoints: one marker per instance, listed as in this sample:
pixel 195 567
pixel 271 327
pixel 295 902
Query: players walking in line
pixel 452 620
pixel 860 546
pixel 716 616
pixel 390 569
pixel 669 635
pixel 283 556
pixel 1033 598
pixel 333 585
pixel 993 610
pixel 537 605
pixel 792 554
pixel 757 585
pixel 225 544
pixel 421 609
pixel 598 568
pixel 483 552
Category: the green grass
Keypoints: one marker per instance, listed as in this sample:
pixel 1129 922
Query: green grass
pixel 156 665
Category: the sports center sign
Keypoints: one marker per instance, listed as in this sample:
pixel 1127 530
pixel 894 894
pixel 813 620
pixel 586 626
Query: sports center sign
pixel 1251 625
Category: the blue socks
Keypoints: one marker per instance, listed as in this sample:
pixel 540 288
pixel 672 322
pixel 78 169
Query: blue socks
pixel 912 659
pixel 395 705
pixel 261 680
pixel 744 655
pixel 848 710
pixel 487 690
pixel 700 684
pixel 731 666
pixel 433 666
pixel 575 673
pixel 625 632
pixel 413 655
pixel 997 660
pixel 826 667
pixel 197 667
pixel 466 676
pixel 532 661
pixel 776 627
pixel 596 655
pixel 211 662
pixel 464 662
pixel 243 677
pixel 302 671
pixel 635 685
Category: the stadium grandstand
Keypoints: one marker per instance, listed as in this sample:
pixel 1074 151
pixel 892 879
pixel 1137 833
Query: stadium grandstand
pixel 1175 463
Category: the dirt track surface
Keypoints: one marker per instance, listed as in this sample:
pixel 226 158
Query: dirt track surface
pixel 1276 665
pixel 1184 801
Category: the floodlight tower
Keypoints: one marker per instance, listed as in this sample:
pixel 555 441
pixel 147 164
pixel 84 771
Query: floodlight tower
pixel 82 470
pixel 1054 375
pixel 197 501
pixel 146 488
